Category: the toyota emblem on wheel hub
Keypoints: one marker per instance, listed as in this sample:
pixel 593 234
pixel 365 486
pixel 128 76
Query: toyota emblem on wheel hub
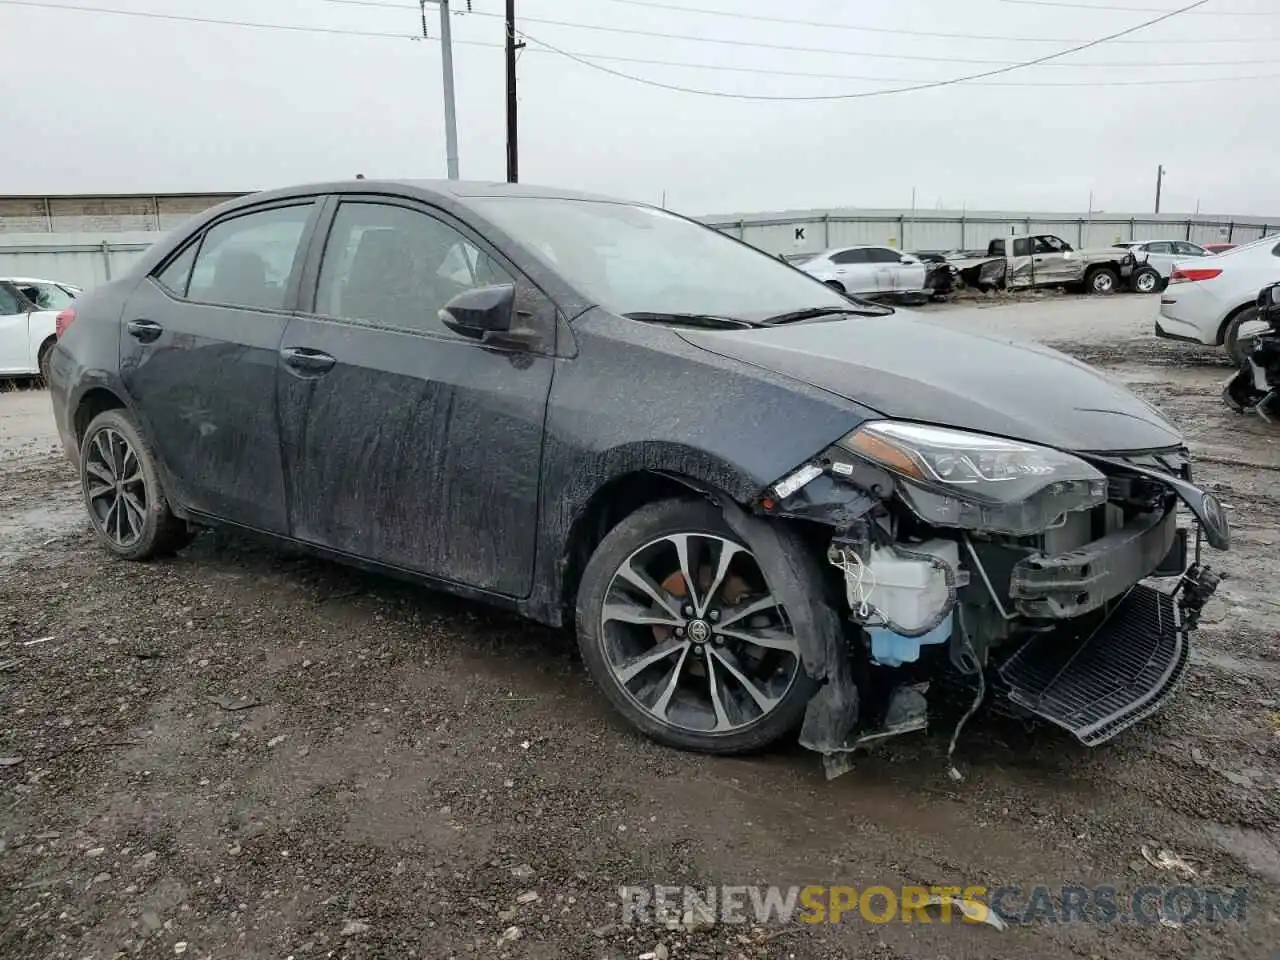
pixel 699 631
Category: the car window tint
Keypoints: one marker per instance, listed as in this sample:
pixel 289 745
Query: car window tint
pixel 1160 246
pixel 1188 249
pixel 395 266
pixel 9 302
pixel 849 256
pixel 174 277
pixel 247 261
pixel 883 255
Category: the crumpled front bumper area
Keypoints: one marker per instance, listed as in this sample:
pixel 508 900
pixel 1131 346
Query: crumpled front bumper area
pixel 1100 680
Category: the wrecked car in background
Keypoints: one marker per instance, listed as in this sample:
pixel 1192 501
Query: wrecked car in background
pixel 1022 262
pixel 871 271
pixel 764 505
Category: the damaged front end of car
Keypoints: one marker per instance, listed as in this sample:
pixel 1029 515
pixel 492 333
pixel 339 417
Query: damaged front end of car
pixel 1063 586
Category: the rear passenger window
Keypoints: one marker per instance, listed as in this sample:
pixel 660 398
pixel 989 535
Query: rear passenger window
pixel 849 256
pixel 247 261
pixel 177 274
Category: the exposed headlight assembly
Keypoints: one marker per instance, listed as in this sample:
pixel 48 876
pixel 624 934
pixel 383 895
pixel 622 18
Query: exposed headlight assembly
pixel 976 482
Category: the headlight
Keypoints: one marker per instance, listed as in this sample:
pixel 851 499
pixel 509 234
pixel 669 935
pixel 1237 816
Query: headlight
pixel 978 482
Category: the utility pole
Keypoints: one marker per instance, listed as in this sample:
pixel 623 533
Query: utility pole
pixel 446 58
pixel 513 152
pixel 1159 181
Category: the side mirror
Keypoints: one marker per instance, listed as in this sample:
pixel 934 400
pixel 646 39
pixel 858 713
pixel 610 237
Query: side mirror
pixel 481 311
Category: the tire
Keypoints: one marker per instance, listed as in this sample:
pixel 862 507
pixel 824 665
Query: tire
pixel 1146 280
pixel 664 699
pixel 44 358
pixel 1238 349
pixel 1101 281
pixel 131 518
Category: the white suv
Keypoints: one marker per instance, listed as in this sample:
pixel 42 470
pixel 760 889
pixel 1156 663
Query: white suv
pixel 1212 300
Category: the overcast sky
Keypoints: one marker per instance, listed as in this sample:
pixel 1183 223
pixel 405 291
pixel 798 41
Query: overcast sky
pixel 91 102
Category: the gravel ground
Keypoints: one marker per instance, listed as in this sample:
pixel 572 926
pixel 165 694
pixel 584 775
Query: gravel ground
pixel 244 753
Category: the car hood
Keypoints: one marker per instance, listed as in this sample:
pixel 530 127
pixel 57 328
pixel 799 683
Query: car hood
pixel 904 367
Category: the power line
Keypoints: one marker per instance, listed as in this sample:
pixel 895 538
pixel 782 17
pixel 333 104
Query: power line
pixel 615 58
pixel 151 15
pixel 1109 7
pixel 755 44
pixel 758 71
pixel 875 93
pixel 897 31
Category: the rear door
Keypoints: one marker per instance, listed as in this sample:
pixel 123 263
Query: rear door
pixel 199 352
pixel 15 346
pixel 405 442
pixel 854 271
pixel 1160 255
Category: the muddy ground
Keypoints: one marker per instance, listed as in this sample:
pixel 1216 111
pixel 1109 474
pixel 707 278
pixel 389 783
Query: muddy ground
pixel 242 753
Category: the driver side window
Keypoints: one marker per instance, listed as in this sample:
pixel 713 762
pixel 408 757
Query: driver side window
pixel 397 267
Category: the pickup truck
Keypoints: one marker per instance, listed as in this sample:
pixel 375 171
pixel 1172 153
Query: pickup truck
pixel 1022 261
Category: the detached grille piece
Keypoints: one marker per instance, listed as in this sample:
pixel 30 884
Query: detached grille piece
pixel 1098 683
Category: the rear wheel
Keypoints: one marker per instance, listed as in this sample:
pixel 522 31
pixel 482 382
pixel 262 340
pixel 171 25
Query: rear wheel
pixel 122 492
pixel 679 626
pixel 1240 333
pixel 1101 281
pixel 44 358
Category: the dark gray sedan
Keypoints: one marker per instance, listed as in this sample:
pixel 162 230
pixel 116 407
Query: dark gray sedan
pixel 763 505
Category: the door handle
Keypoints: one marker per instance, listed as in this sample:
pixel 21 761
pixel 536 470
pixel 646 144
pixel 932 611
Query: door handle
pixel 144 330
pixel 307 361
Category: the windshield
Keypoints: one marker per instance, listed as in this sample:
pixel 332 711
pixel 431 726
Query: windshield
pixel 635 259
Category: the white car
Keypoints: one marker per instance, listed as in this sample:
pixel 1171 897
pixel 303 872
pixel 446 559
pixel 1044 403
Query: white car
pixel 1213 300
pixel 870 271
pixel 1161 255
pixel 28 311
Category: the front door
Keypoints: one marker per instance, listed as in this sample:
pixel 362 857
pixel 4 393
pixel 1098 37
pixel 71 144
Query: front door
pixel 1049 255
pixel 404 442
pixel 15 346
pixel 199 350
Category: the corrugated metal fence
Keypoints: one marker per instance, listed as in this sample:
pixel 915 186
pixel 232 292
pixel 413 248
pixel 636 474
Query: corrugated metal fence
pixel 81 259
pixel 87 259
pixel 812 231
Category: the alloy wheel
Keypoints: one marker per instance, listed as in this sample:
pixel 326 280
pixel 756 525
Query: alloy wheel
pixel 116 488
pixel 1102 282
pixel 693 634
pixel 1146 282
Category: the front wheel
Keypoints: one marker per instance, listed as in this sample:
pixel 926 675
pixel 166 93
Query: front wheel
pixel 1102 281
pixel 1146 280
pixel 122 493
pixel 679 626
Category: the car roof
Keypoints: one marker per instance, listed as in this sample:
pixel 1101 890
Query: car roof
pixel 56 283
pixel 456 190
